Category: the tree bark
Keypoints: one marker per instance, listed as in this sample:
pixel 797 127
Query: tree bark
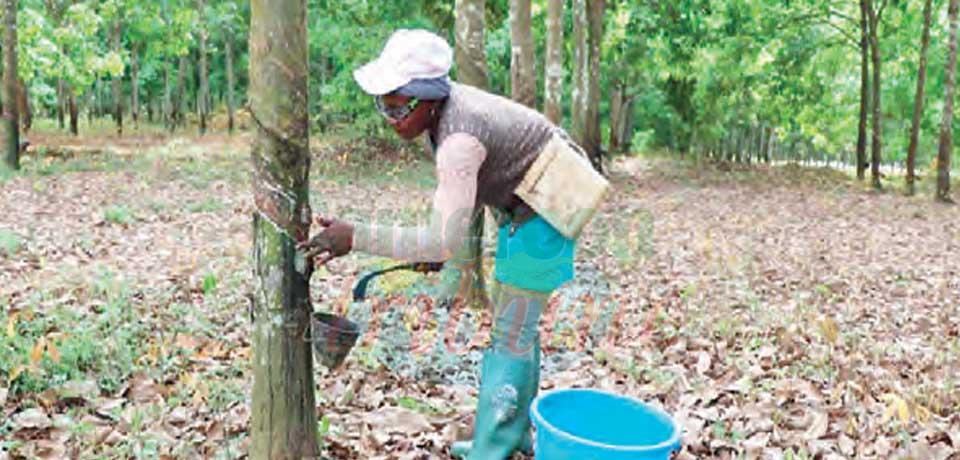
pixel 876 122
pixel 117 83
pixel 23 106
pixel 230 82
pixel 523 75
pixel 470 51
pixel 594 138
pixel 74 112
pixel 581 70
pixel 204 101
pixel 134 87
pixel 553 70
pixel 616 108
pixel 11 116
pixel 61 103
pixel 864 92
pixel 178 91
pixel 466 282
pixel 283 414
pixel 946 126
pixel 918 100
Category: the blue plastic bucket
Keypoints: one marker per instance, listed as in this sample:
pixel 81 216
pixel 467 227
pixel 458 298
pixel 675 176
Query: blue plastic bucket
pixel 584 424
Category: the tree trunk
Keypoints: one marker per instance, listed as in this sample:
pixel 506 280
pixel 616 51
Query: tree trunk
pixel 553 70
pixel 616 112
pixel 167 106
pixel 134 87
pixel 178 92
pixel 581 71
pixel 918 100
pixel 23 106
pixel 230 82
pixel 117 82
pixel 523 73
pixel 470 51
pixel 876 139
pixel 11 116
pixel 60 104
pixel 283 421
pixel 471 58
pixel 864 92
pixel 204 101
pixel 946 126
pixel 74 112
pixel 594 139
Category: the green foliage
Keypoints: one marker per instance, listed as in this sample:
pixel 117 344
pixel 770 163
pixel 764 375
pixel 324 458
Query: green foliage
pixel 10 243
pixel 117 214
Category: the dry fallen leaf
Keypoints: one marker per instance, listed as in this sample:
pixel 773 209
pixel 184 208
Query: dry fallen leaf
pixel 31 419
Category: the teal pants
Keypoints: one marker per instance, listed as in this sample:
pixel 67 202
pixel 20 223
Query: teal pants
pixel 535 256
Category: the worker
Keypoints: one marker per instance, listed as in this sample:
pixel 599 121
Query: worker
pixel 489 151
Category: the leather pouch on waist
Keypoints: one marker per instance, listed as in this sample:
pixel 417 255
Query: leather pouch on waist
pixel 562 186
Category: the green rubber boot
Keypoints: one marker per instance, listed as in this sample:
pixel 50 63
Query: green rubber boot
pixel 502 425
pixel 509 379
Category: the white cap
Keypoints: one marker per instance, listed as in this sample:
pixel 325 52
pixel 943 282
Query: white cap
pixel 408 55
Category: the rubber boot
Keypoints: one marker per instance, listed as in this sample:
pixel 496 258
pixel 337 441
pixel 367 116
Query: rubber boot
pixel 509 380
pixel 502 424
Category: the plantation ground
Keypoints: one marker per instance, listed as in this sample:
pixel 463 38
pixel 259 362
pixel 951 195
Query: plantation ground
pixel 776 312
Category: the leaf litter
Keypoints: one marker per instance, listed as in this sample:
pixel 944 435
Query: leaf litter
pixel 774 312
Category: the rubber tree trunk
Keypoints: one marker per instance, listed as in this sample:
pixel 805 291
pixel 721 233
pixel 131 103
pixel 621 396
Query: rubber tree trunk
pixel 283 414
pixel 228 42
pixel 523 74
pixel 74 112
pixel 617 102
pixel 876 122
pixel 23 106
pixel 134 87
pixel 117 83
pixel 167 106
pixel 864 93
pixel 553 70
pixel 466 282
pixel 61 104
pixel 204 97
pixel 918 100
pixel 11 118
pixel 178 93
pixel 593 147
pixel 946 126
pixel 470 52
pixel 581 70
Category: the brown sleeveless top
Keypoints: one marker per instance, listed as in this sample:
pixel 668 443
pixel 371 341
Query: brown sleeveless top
pixel 512 133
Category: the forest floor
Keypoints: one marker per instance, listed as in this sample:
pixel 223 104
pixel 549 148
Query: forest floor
pixel 775 312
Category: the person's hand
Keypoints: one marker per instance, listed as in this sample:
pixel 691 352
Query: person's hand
pixel 334 240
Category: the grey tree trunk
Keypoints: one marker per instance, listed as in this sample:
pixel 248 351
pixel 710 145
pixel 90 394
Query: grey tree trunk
pixel 283 421
pixel 553 70
pixel 178 100
pixel 74 112
pixel 134 87
pixel 918 100
pixel 864 92
pixel 587 33
pixel 523 75
pixel 470 51
pixel 204 101
pixel 876 138
pixel 945 150
pixel 594 143
pixel 11 116
pixel 466 282
pixel 117 83
pixel 61 104
pixel 581 70
pixel 230 82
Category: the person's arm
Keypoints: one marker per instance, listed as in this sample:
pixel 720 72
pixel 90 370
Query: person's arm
pixel 458 161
